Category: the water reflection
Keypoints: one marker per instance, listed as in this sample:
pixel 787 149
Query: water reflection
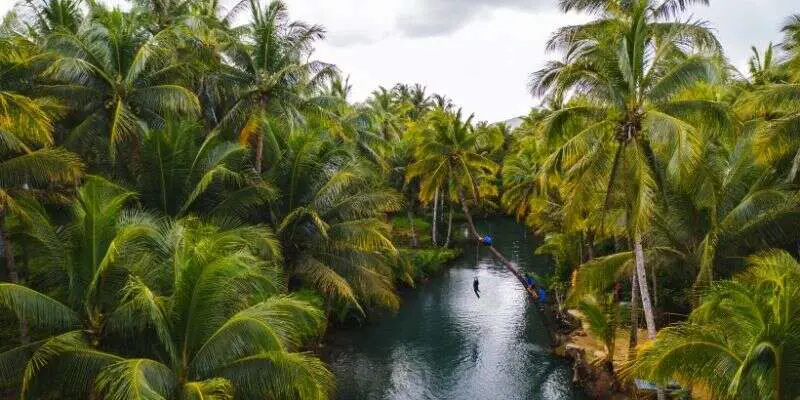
pixel 447 344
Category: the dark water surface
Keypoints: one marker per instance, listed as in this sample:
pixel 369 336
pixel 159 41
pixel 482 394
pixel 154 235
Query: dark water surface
pixel 445 343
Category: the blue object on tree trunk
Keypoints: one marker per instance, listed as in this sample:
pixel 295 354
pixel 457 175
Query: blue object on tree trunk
pixel 487 240
pixel 542 295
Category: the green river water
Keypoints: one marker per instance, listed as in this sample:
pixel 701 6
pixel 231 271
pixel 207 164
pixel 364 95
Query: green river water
pixel 445 343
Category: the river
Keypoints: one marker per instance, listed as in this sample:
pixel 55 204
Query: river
pixel 445 343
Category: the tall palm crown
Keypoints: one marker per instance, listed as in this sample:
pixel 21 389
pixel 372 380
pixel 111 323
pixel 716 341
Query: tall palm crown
pixel 29 164
pixel 766 67
pixel 791 43
pixel 223 327
pixel 27 157
pixel 417 102
pixel 189 172
pixel 730 207
pixel 628 66
pixel 771 109
pixel 122 77
pixel 213 289
pixel 273 75
pixel 447 157
pixel 387 113
pixel 51 15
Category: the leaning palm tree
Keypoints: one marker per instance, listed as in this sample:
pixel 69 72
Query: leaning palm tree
pixel 273 76
pixel 119 78
pixel 447 158
pixel 627 68
pixel 742 342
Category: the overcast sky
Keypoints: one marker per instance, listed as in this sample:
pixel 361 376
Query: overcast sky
pixel 480 52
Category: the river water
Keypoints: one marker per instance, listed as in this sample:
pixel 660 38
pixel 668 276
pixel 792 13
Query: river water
pixel 446 343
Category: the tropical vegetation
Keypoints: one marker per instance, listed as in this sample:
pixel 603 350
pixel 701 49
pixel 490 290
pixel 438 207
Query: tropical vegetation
pixel 189 198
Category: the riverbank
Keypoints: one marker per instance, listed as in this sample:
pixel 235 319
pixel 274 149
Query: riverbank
pixel 588 357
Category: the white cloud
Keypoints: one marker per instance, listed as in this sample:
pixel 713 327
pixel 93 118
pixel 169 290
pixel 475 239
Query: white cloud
pixel 422 18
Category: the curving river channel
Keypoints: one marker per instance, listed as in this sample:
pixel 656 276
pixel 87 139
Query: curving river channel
pixel 445 343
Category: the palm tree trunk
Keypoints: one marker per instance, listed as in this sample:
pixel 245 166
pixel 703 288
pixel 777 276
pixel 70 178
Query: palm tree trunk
pixel 434 222
pixel 259 153
pixel 449 226
pixel 633 338
pixel 647 305
pixel 13 274
pixel 410 213
pixel 778 373
pixel 470 224
pixel 641 276
pixel 654 277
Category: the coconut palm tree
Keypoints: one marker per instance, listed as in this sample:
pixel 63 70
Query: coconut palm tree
pixel 765 68
pixel 413 99
pixel 330 220
pixel 401 157
pixel 273 76
pixel 223 326
pixel 48 16
pixel 184 169
pixel 742 342
pixel 442 102
pixel 628 68
pixel 387 113
pixel 771 109
pixel 195 291
pixel 164 13
pixel 745 207
pixel 730 207
pixel 791 43
pixel 447 158
pixel 29 163
pixel 119 78
pixel 84 260
pixel 599 315
pixel 353 125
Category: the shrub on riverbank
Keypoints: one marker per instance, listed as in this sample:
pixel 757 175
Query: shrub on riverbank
pixel 415 265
